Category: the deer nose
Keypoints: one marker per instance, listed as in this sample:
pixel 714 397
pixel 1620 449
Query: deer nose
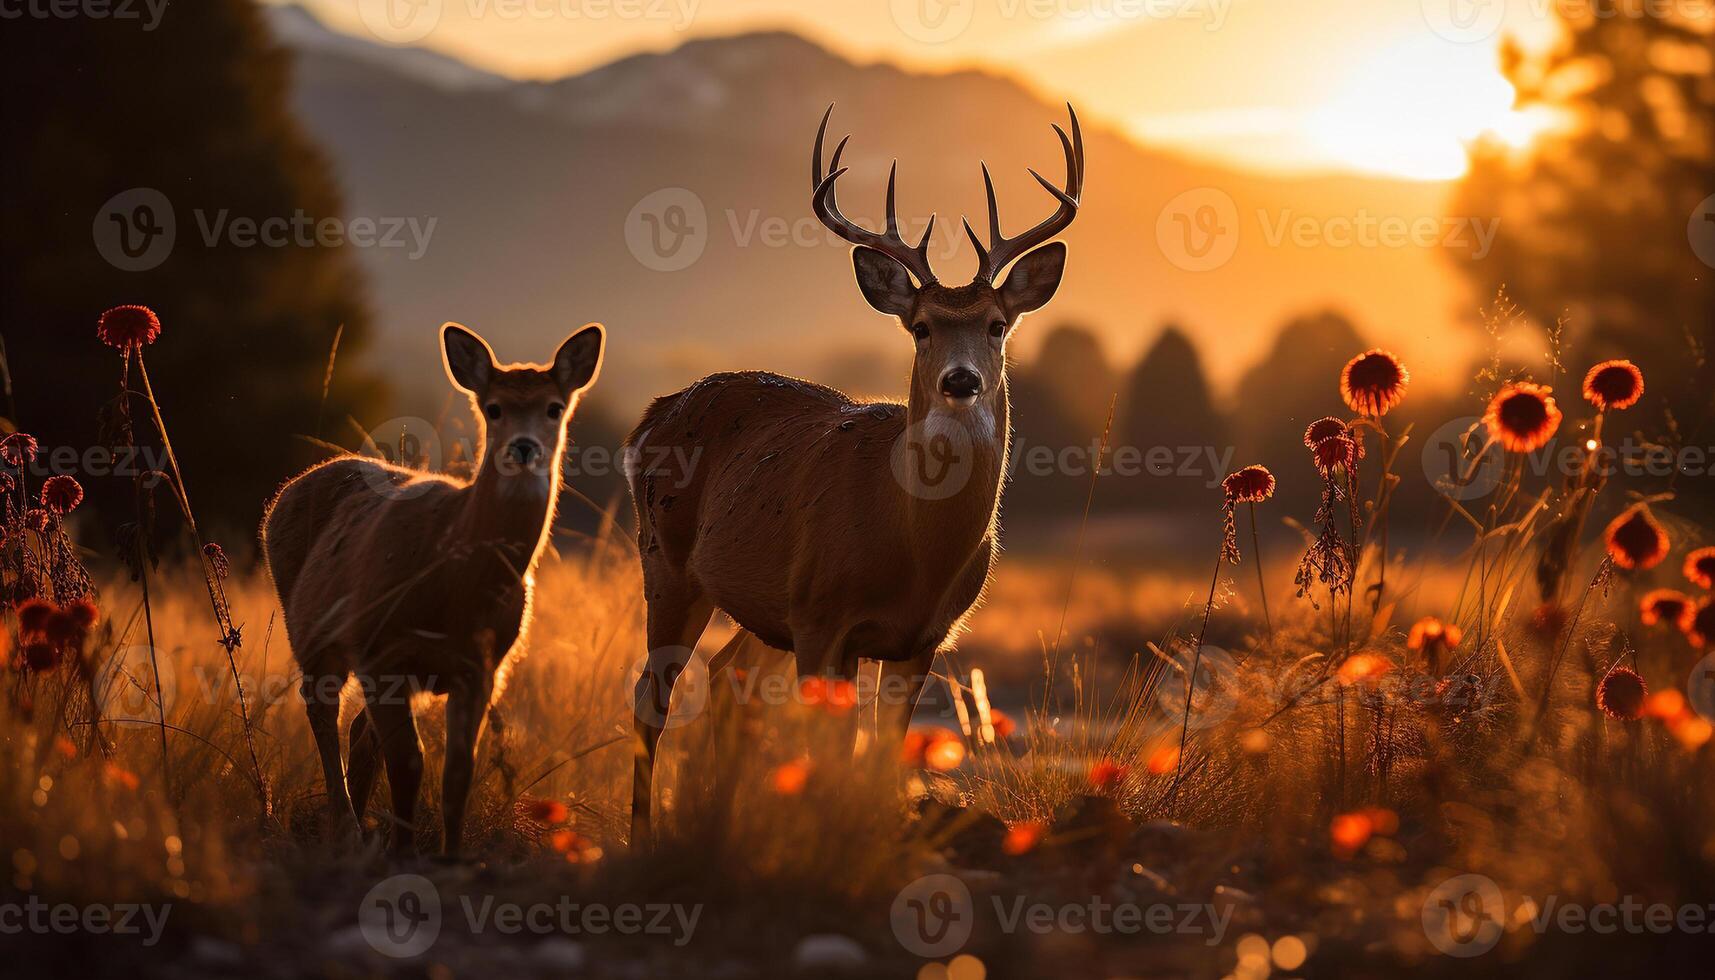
pixel 961 382
pixel 524 451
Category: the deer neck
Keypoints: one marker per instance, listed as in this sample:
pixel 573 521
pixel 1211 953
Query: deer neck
pixel 508 511
pixel 947 521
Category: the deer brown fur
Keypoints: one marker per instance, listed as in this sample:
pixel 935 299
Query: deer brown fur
pixel 418 582
pixel 834 529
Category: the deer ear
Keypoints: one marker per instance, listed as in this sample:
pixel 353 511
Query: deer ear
pixel 1033 279
pixel 578 360
pixel 883 281
pixel 468 358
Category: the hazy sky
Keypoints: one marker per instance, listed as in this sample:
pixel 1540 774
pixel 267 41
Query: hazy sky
pixel 1384 86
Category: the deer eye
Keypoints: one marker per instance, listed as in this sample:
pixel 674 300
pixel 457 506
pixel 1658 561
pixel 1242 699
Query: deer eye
pixel 920 331
pixel 492 410
pixel 997 328
pixel 556 410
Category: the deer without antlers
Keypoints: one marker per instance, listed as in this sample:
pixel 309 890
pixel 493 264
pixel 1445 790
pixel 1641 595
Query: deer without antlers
pixel 832 529
pixel 418 582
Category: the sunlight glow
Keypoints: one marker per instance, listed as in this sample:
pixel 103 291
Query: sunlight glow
pixel 1414 108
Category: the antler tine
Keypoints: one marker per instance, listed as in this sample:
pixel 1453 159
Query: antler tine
pixel 1002 251
pixel 915 259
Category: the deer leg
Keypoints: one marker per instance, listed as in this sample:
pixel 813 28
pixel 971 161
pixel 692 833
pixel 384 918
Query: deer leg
pixel 675 623
pixel 897 690
pixel 467 706
pixel 737 703
pixel 396 729
pixel 364 758
pixel 323 713
pixel 829 659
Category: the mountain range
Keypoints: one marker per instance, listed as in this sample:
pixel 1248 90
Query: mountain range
pixel 667 195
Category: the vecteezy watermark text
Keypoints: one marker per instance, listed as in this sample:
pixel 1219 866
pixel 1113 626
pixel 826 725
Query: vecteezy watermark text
pixel 148 12
pixel 123 919
pixel 403 916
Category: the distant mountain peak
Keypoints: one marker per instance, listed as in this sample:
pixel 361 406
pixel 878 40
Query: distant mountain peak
pixel 297 28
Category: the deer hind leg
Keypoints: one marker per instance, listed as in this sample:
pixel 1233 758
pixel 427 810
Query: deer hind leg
pixel 739 674
pixel 364 762
pixel 396 730
pixel 321 705
pixel 677 617
pixel 467 706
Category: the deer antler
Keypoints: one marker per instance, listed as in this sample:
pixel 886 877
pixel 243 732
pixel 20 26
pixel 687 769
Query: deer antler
pixel 1001 251
pixel 914 258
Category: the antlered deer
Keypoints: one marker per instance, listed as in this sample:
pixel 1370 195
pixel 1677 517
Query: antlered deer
pixel 417 581
pixel 834 529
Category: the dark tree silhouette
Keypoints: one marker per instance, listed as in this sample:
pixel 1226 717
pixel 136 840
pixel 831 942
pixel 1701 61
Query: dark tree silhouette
pixel 1600 220
pixel 1167 412
pixel 1059 402
pixel 195 111
pixel 1295 384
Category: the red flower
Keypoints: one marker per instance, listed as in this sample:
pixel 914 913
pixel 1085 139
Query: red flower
pixel 64 630
pixel 1621 694
pixel 1250 485
pixel 1668 606
pixel 1373 382
pixel 84 613
pixel 1323 428
pixel 126 327
pixel 1433 638
pixel 1702 630
pixel 18 448
pixel 33 616
pixel 1614 384
pixel 61 494
pixel 546 812
pixel 40 657
pixel 1106 774
pixel 1335 451
pixel 1635 540
pixel 1523 417
pixel 217 560
pixel 1700 567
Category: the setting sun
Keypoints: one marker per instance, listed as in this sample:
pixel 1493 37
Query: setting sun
pixel 1413 109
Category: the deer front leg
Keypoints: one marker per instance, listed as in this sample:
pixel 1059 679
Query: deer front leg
pixel 677 617
pixel 897 690
pixel 467 706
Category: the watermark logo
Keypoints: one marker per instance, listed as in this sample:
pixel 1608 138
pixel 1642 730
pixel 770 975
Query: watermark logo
pixel 1700 688
pixel 413 448
pixel 1461 461
pixel 933 916
pixel 1198 231
pixel 1463 915
pixel 1701 231
pixel 129 682
pixel 677 670
pixel 401 916
pixel 400 21
pixel 932 21
pixel 1212 698
pixel 1464 21
pixel 933 459
pixel 135 229
pixel 667 230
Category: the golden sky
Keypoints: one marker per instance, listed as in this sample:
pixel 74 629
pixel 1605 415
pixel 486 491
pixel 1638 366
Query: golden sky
pixel 1284 86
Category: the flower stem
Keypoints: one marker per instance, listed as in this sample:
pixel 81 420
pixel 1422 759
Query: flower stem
pixel 1261 583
